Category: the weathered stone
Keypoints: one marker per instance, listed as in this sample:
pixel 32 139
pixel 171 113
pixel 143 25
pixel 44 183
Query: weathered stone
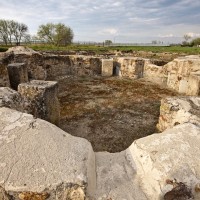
pixel 40 99
pixel 171 155
pixel 36 158
pixel 107 67
pixel 184 74
pixel 20 50
pixel 10 98
pixel 174 111
pixel 155 74
pixel 4 195
pixel 116 177
pixel 132 67
pixel 49 66
pixel 194 85
pixel 17 74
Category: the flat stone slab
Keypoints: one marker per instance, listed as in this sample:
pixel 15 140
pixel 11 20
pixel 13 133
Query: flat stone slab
pixel 36 155
pixel 107 67
pixel 116 177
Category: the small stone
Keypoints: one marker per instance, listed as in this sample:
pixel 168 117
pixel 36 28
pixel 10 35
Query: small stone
pixel 75 193
pixel 197 187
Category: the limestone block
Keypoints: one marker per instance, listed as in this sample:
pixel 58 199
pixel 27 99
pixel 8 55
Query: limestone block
pixel 107 67
pixel 174 111
pixel 155 74
pixel 183 86
pixel 40 99
pixel 10 98
pixel 131 67
pixel 180 71
pixel 163 158
pixel 193 85
pixel 39 161
pixel 17 74
pixel 173 81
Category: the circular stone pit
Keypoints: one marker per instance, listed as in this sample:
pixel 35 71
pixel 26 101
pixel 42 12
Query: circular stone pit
pixel 110 112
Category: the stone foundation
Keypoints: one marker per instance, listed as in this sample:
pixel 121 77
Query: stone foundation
pixel 40 99
pixel 181 75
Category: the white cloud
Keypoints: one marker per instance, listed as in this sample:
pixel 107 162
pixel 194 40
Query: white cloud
pixel 108 31
pixel 193 34
pixel 134 20
pixel 166 36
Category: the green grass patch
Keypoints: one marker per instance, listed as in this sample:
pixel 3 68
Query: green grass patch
pixel 107 49
pixel 101 49
pixel 3 49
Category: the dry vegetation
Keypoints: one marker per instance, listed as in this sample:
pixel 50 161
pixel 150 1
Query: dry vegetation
pixel 110 112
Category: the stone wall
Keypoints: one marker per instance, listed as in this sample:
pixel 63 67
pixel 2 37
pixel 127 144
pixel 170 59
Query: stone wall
pixel 184 75
pixel 179 110
pixel 131 67
pixel 49 66
pixel 181 75
pixel 155 74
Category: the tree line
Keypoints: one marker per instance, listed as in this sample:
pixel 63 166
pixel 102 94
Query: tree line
pixel 13 33
pixel 188 41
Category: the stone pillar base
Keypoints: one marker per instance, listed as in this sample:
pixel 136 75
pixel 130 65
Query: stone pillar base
pixel 40 99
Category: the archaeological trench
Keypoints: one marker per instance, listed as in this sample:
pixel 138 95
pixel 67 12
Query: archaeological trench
pixel 98 127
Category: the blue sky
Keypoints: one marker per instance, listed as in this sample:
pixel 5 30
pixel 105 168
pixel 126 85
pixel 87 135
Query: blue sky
pixel 117 20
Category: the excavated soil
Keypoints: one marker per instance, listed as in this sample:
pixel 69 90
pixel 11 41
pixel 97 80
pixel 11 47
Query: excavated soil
pixel 109 112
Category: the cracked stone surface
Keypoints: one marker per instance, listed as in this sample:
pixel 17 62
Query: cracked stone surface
pixel 10 98
pixel 173 154
pixel 116 177
pixel 34 155
pixel 184 75
pixel 179 110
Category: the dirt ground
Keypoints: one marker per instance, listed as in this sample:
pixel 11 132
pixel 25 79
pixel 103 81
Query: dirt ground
pixel 109 112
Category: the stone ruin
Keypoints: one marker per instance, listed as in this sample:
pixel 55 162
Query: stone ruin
pixel 40 161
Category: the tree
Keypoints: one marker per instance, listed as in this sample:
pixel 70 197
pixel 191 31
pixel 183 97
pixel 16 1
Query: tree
pixel 4 31
pixel 57 34
pixel 195 42
pixel 12 31
pixel 19 32
pixel 108 42
pixel 187 37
